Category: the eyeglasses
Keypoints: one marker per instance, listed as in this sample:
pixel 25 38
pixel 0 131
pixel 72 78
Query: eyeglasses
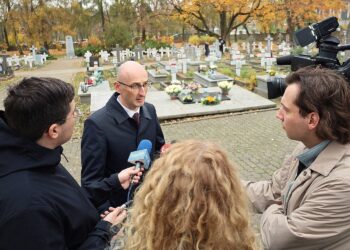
pixel 136 86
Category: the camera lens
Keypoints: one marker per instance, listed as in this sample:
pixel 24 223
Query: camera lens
pixel 275 87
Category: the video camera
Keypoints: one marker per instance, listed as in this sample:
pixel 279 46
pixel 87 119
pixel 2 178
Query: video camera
pixel 327 54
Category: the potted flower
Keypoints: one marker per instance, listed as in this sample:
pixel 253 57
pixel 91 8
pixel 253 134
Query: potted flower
pixel 210 100
pixel 173 90
pixel 225 87
pixel 194 88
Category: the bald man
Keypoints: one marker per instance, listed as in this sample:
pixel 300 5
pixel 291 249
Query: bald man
pixel 111 133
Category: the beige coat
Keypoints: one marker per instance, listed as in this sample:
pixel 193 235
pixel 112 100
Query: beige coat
pixel 315 212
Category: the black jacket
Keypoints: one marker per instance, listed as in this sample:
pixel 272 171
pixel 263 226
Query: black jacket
pixel 41 205
pixel 109 137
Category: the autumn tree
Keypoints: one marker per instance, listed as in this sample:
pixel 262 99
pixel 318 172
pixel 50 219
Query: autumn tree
pixel 203 15
pixel 291 15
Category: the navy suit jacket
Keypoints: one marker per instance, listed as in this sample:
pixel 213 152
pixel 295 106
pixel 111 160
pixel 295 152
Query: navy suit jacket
pixel 109 137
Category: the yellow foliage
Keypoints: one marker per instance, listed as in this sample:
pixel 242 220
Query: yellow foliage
pixel 197 40
pixel 167 39
pixel 94 41
pixel 194 40
pixel 299 13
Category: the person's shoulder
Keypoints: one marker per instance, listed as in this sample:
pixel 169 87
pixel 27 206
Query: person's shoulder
pixel 23 189
pixel 149 108
pixel 148 105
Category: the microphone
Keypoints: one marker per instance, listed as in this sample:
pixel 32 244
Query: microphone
pixel 141 157
pixel 138 158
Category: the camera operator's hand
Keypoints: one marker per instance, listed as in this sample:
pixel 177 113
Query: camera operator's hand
pixel 129 174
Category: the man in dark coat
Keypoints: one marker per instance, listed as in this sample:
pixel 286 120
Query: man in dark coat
pixel 111 133
pixel 41 205
pixel 221 45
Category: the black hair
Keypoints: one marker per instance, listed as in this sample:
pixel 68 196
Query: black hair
pixel 35 103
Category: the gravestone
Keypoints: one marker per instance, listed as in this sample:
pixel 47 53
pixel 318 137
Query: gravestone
pixel 87 56
pixel 94 61
pixel 104 55
pixel 138 53
pixel 33 50
pixel 269 40
pixel 173 70
pixel 210 80
pixel 5 70
pixel 69 47
pixel 168 52
pixel 117 51
pixel 239 63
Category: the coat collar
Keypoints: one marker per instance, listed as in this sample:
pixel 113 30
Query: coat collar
pixel 119 114
pixel 329 157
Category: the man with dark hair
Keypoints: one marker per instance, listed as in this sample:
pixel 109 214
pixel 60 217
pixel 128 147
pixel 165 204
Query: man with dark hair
pixel 111 133
pixel 306 205
pixel 41 205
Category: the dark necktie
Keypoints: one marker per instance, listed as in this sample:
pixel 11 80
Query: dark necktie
pixel 136 118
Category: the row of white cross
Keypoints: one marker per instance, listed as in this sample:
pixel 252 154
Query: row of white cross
pixel 38 59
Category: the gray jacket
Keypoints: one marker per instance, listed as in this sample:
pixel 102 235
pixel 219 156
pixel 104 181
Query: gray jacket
pixel 311 211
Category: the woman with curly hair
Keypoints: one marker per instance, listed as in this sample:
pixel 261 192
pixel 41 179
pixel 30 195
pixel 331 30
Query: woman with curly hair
pixel 191 199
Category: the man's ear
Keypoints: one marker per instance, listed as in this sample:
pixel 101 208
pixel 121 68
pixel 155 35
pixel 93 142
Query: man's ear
pixel 117 87
pixel 314 120
pixel 53 131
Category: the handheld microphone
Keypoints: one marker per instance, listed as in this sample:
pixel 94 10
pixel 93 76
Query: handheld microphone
pixel 141 157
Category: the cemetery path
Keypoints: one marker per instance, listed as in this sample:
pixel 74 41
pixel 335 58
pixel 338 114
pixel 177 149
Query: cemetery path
pixel 61 68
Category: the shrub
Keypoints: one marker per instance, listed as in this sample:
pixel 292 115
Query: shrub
pixel 94 41
pixel 248 73
pixel 197 40
pixel 82 51
pixel 227 71
pixel 151 43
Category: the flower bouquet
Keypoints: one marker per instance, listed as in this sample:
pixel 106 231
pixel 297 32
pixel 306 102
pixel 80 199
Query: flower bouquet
pixel 194 87
pixel 173 90
pixel 210 100
pixel 225 86
pixel 186 98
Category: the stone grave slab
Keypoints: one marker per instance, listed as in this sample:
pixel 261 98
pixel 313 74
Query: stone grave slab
pixel 210 81
pixel 157 76
pixel 86 97
pixel 240 100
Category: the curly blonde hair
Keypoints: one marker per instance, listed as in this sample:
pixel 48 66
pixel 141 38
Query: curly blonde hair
pixel 191 198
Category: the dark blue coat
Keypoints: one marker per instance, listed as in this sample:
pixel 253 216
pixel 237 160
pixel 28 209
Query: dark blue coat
pixel 109 137
pixel 41 205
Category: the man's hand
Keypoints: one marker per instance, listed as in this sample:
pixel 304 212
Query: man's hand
pixel 125 176
pixel 114 215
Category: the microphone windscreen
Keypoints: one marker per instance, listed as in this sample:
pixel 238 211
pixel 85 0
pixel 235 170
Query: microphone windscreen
pixel 145 144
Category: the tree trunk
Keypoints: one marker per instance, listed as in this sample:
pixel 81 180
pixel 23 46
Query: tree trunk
pixel 6 37
pixel 290 27
pixel 18 46
pixel 143 33
pixel 100 9
pixel 223 26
